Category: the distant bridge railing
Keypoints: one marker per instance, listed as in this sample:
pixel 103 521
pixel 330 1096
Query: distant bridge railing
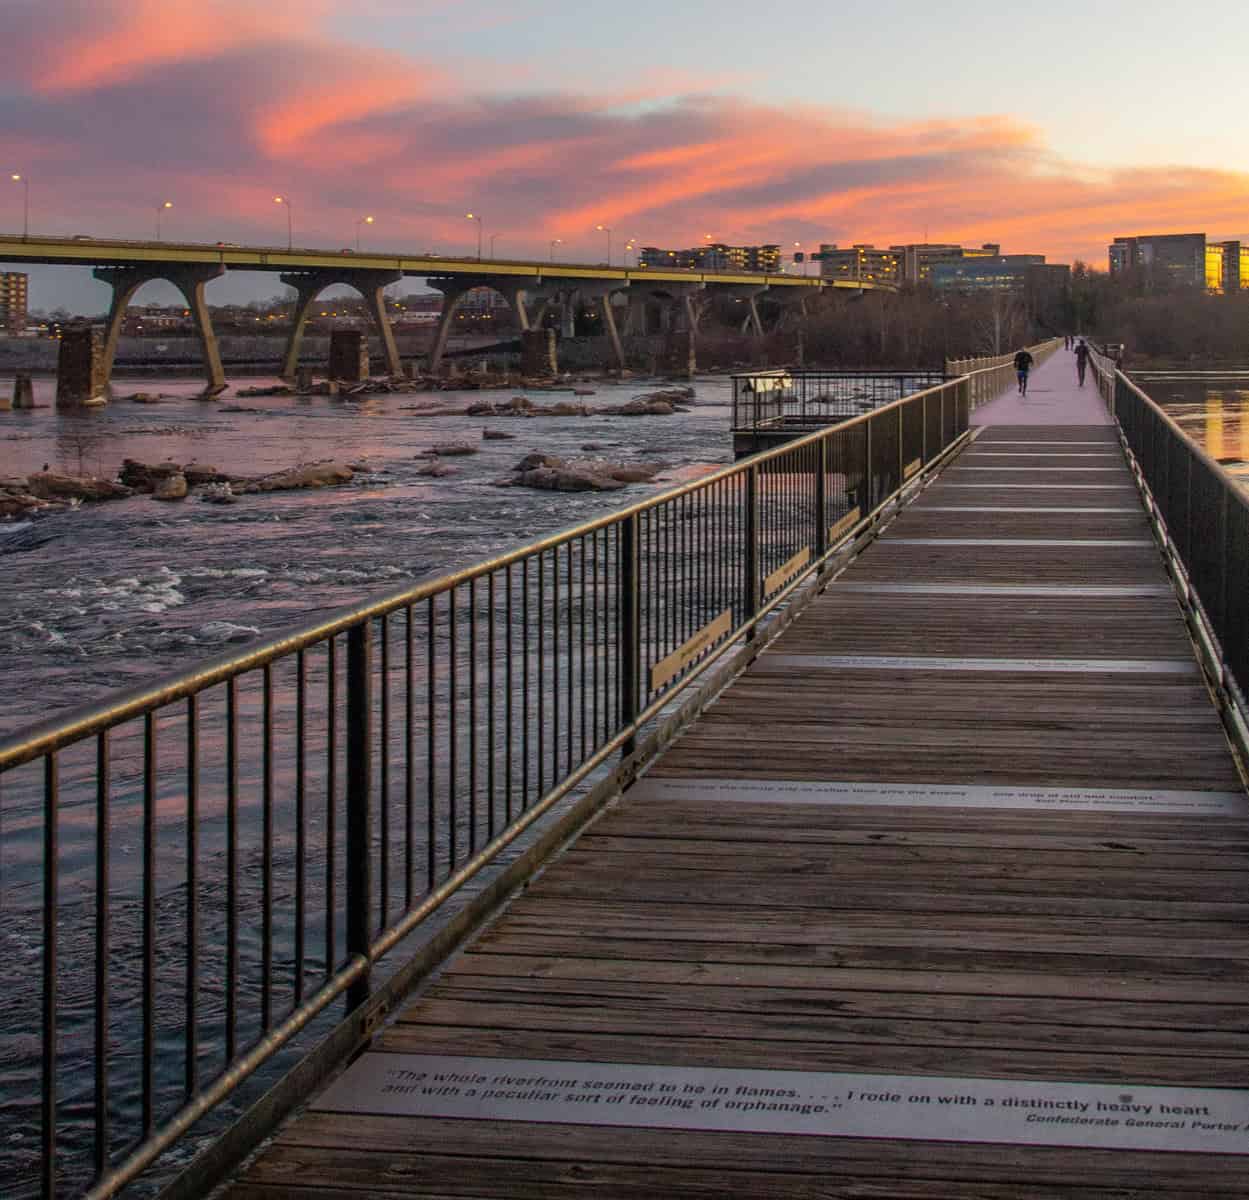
pixel 1202 515
pixel 214 859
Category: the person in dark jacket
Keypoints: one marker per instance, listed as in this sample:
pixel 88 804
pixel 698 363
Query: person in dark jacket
pixel 1082 360
pixel 1023 364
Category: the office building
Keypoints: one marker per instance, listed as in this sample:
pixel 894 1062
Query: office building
pixel 1164 260
pixel 12 302
pixel 999 273
pixel 1227 267
pixel 859 264
pixel 917 259
pixel 715 256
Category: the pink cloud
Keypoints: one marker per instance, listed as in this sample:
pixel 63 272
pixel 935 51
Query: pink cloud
pixel 219 103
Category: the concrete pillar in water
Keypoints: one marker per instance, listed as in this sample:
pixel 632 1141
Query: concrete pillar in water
pixel 81 375
pixel 23 391
pixel 679 354
pixel 349 356
pixel 539 352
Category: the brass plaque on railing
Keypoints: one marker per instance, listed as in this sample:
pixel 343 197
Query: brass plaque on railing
pixel 912 467
pixel 784 573
pixel 676 662
pixel 849 521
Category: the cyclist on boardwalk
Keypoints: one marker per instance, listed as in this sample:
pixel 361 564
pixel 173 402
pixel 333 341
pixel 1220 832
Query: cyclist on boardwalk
pixel 1023 364
pixel 1082 360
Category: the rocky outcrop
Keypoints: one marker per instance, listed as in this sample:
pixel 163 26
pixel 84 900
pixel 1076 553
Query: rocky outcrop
pixel 437 470
pixel 548 473
pixel 48 485
pixel 453 449
pixel 496 435
pixel 310 475
pixel 172 487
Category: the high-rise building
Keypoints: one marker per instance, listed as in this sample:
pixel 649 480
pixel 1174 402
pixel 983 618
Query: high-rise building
pixel 859 264
pixel 1162 260
pixel 12 301
pixel 919 258
pixel 715 256
pixel 1227 267
pixel 1017 273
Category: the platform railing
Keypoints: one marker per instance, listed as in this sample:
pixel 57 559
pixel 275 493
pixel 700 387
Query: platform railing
pixel 213 859
pixel 801 401
pixel 1204 518
pixel 990 375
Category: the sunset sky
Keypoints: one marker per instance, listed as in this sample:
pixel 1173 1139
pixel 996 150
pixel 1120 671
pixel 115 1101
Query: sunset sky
pixel 1049 131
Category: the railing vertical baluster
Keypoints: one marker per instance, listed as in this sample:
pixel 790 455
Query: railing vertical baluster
pixel 102 817
pixel 627 601
pixel 266 852
pixel 541 730
pixel 190 1018
pixel 821 498
pixel 301 819
pixel 431 746
pixel 47 1130
pixel 572 661
pixel 555 672
pixel 472 716
pixel 148 1085
pixel 383 793
pixel 453 741
pixel 751 585
pixel 331 793
pixel 232 869
pixel 507 696
pixel 359 801
pixel 524 685
pixel 409 755
pixel 491 743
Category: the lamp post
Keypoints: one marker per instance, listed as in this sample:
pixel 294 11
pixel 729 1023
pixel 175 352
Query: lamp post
pixel 160 209
pixel 25 182
pixel 607 230
pixel 492 237
pixel 628 247
pixel 290 226
pixel 555 242
pixel 361 221
pixel 476 217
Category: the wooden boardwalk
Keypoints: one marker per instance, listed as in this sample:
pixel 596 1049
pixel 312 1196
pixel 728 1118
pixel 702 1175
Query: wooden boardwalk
pixel 1006 654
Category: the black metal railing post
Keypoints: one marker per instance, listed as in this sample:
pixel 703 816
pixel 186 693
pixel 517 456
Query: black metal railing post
pixel 359 801
pixel 821 498
pixel 750 556
pixel 629 601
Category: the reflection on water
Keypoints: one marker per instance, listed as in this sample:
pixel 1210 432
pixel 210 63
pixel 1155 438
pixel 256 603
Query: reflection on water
pixel 1212 410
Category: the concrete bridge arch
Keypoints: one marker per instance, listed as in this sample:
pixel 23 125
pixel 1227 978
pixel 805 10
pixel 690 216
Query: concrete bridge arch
pixel 372 287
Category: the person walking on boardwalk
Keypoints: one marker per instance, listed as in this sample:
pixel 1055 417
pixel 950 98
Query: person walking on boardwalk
pixel 1082 360
pixel 1023 364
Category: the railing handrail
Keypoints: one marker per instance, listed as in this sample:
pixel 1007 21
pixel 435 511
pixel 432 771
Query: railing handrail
pixel 36 740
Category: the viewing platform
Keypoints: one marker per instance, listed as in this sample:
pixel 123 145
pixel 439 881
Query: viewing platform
pixel 944 896
pixel 866 818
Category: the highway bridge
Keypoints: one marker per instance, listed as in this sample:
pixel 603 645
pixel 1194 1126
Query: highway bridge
pixel 530 287
pixel 865 819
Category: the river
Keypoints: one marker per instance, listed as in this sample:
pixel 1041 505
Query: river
pixel 125 589
pixel 1211 408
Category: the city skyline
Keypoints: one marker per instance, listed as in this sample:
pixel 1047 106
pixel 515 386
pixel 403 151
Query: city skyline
pixel 549 126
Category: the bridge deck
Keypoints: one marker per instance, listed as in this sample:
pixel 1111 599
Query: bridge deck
pixel 1003 937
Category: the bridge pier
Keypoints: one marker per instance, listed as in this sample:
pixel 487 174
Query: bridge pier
pixel 190 281
pixel 371 285
pixel 455 287
pixel 749 294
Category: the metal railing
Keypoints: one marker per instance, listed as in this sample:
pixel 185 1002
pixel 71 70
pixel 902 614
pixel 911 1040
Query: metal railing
pixel 1204 515
pixel 802 401
pixel 990 375
pixel 215 858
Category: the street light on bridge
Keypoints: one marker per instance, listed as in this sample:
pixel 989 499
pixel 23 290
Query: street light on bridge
pixel 160 209
pixel 290 226
pixel 492 237
pixel 25 182
pixel 607 230
pixel 361 221
pixel 555 242
pixel 476 217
